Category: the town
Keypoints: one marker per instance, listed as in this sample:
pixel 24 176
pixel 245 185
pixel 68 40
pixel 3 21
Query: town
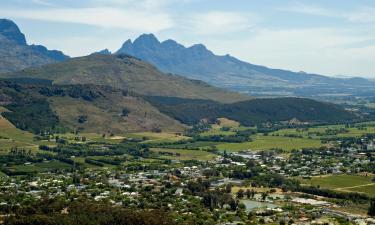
pixel 197 182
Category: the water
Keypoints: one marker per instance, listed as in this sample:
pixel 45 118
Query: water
pixel 251 204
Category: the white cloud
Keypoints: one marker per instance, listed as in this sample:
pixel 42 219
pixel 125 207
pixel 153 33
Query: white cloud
pixel 357 15
pixel 135 20
pixel 316 50
pixel 42 2
pixel 363 15
pixel 302 8
pixel 220 22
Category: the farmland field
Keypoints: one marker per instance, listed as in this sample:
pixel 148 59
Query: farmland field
pixel 197 144
pixel 366 189
pixel 338 181
pixel 320 131
pixel 346 183
pixel 271 142
pixel 217 132
pixel 185 154
pixel 39 167
pixel 157 137
pixel 11 136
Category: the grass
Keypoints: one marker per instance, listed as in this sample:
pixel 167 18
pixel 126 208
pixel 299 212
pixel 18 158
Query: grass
pixel 352 132
pixel 53 165
pixel 40 167
pixel 185 154
pixel 271 142
pixel 198 144
pixel 217 132
pixel 225 122
pixel 346 183
pixel 157 137
pixel 354 208
pixel 10 136
pixel 366 189
pixel 338 181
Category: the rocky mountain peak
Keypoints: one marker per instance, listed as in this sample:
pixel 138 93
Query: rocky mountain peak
pixel 10 31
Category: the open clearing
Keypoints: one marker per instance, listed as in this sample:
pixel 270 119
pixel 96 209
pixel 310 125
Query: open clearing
pixel 10 136
pixel 217 131
pixel 320 131
pixel 261 142
pixel 157 137
pixel 366 189
pixel 348 183
pixel 182 154
pixel 39 167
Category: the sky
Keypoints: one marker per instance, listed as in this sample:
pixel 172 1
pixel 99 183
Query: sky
pixel 330 37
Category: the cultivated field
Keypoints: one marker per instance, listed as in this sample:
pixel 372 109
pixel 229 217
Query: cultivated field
pixel 347 183
pixel 327 131
pixel 182 154
pixel 156 137
pixel 261 142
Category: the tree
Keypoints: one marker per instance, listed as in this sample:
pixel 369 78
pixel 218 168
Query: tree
pixel 264 196
pixel 233 204
pixel 248 193
pixel 125 112
pixel 228 188
pixel 240 194
pixel 371 209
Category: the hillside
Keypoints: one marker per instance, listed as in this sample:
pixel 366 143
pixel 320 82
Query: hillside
pixel 254 111
pixel 197 62
pixel 102 109
pixel 88 108
pixel 127 73
pixel 16 54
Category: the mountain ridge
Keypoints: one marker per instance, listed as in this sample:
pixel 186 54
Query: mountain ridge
pixel 16 54
pixel 197 62
pixel 125 72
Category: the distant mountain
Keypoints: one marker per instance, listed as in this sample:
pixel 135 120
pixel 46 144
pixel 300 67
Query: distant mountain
pixel 97 87
pixel 127 73
pixel 103 52
pixel 16 54
pixel 197 62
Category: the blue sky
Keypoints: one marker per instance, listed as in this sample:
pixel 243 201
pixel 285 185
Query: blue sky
pixel 331 37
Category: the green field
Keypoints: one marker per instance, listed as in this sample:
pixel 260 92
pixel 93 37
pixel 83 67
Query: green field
pixel 338 181
pixel 185 154
pixel 261 142
pixel 153 137
pixel 366 189
pixel 11 136
pixel 217 132
pixel 40 167
pixel 346 183
pixel 369 128
pixel 197 144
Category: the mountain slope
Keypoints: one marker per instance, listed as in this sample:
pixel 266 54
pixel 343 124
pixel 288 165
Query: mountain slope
pixel 103 109
pixel 16 54
pixel 197 62
pixel 126 73
pixel 253 111
pixel 88 108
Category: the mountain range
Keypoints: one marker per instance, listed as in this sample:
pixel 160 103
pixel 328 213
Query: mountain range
pixel 116 93
pixel 120 93
pixel 126 73
pixel 16 54
pixel 197 62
